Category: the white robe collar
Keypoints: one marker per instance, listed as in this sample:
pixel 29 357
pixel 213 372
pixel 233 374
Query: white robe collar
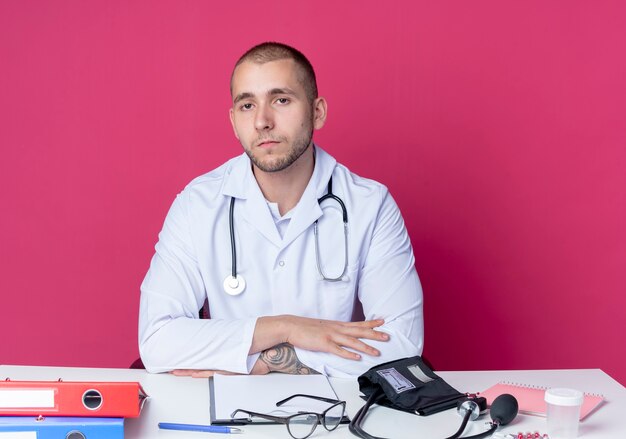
pixel 240 183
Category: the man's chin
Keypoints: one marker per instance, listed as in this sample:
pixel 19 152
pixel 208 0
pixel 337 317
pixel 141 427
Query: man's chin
pixel 274 164
pixel 272 160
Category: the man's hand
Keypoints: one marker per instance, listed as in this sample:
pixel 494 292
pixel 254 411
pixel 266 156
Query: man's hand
pixel 276 337
pixel 200 373
pixel 318 335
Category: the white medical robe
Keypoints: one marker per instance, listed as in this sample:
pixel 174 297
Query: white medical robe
pixel 193 257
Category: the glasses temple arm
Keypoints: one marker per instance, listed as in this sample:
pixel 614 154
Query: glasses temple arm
pixel 260 415
pixel 319 398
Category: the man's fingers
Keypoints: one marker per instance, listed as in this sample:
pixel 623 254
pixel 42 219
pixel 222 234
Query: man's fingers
pixel 365 323
pixel 344 353
pixel 200 373
pixel 210 373
pixel 344 339
pixel 368 333
pixel 357 345
pixel 204 373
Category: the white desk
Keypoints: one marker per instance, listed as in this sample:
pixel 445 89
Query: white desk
pixel 186 400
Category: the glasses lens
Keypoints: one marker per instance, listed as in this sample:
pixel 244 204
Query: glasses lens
pixel 301 426
pixel 333 417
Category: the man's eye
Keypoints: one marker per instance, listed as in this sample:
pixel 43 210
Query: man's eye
pixel 282 100
pixel 246 106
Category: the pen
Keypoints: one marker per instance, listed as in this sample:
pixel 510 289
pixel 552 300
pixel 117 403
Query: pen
pixel 204 428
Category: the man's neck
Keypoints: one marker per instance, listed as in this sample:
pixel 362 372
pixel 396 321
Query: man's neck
pixel 287 186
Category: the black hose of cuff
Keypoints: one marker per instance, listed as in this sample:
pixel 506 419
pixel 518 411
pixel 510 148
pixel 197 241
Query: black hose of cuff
pixel 459 432
pixel 355 425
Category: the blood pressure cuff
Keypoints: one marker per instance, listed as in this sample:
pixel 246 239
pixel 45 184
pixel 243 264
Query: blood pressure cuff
pixel 409 385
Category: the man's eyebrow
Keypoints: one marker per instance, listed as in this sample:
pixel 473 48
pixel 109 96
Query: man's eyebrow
pixel 282 91
pixel 272 92
pixel 241 96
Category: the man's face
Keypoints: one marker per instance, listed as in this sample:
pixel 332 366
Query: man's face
pixel 271 115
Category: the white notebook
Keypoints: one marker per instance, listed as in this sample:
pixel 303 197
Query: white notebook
pixel 260 393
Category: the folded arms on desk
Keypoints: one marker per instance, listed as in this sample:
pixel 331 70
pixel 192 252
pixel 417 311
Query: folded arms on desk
pixel 172 337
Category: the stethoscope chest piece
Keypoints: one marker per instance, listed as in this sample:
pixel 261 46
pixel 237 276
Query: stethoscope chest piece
pixel 234 285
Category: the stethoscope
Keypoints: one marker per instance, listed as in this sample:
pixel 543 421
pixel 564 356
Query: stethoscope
pixel 234 284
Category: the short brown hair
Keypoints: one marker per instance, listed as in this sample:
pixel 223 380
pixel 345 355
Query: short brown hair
pixel 273 51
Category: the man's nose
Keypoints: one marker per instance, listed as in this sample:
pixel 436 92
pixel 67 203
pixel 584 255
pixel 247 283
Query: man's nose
pixel 264 119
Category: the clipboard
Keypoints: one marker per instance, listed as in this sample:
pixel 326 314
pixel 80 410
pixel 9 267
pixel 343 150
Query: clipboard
pixel 259 393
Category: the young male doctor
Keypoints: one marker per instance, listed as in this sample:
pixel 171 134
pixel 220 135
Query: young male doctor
pixel 281 272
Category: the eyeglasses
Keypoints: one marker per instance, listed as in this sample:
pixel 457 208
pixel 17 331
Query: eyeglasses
pixel 302 424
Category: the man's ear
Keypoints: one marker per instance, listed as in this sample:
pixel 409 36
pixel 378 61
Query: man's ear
pixel 231 115
pixel 320 110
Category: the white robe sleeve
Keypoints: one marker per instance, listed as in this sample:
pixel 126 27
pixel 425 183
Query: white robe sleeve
pixel 171 335
pixel 388 288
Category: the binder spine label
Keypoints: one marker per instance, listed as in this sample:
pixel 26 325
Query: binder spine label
pixel 18 435
pixel 26 398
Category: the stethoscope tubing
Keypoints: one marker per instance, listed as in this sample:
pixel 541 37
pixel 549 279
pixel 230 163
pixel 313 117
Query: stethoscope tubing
pixel 233 247
pixel 235 284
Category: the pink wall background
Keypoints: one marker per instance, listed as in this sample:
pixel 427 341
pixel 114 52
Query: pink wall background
pixel 498 126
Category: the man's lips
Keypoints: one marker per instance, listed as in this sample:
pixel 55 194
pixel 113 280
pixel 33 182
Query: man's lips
pixel 267 143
